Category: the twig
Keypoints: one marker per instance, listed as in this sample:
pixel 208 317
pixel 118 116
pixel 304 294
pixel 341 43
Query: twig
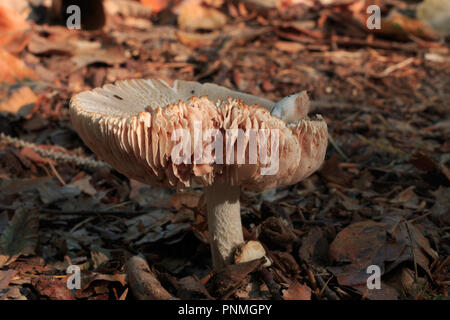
pixel 333 143
pixel 143 283
pixel 55 155
pixel 412 252
pixel 128 214
pixel 330 294
pixel 55 172
pixel 397 66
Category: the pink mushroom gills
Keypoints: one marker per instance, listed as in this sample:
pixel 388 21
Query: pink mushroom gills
pixel 193 134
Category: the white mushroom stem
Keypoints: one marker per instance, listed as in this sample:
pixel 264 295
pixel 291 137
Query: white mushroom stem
pixel 224 222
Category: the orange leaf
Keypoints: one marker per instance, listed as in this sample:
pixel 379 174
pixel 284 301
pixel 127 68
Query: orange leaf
pixel 12 68
pixel 17 99
pixel 10 22
pixel 156 5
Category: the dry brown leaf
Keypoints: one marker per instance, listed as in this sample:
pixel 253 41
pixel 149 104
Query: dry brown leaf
pixel 128 8
pixel 297 291
pixel 225 281
pixel 84 185
pixel 196 40
pixel 189 199
pixel 19 237
pixel 385 244
pixel 18 99
pixel 55 289
pixel 332 172
pixel 12 68
pixel 407 198
pixel 5 278
pixel 194 16
pixel 10 23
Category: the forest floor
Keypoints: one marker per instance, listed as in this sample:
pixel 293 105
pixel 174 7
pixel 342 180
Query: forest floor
pixel 382 196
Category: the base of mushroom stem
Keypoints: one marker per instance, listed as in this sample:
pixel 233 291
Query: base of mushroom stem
pixel 224 222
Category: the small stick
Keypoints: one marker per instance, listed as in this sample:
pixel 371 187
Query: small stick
pixel 330 294
pixel 333 143
pixel 55 172
pixel 143 283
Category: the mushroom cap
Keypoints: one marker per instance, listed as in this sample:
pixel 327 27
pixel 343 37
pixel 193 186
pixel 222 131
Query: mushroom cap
pixel 130 125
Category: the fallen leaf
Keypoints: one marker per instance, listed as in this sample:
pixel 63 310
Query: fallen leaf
pixel 225 281
pixel 441 208
pixel 314 248
pixel 332 172
pixel 88 52
pixel 13 69
pixel 156 5
pixel 285 262
pixel 386 292
pixel 97 283
pixel 128 8
pixel 13 293
pixel 5 278
pixel 192 15
pixel 19 237
pixel 192 288
pixel 385 244
pixel 84 185
pixel 407 198
pixel 99 256
pixel 189 199
pixel 19 98
pixel 277 235
pixel 297 291
pixel 437 174
pixel 55 289
pixel 10 23
pixel 197 40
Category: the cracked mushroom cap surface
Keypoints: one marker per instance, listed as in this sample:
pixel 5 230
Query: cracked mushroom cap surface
pixel 133 125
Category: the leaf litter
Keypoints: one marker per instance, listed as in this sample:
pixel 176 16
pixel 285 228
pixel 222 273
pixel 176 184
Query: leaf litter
pixel 381 197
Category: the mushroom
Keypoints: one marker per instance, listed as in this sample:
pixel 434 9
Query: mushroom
pixel 193 134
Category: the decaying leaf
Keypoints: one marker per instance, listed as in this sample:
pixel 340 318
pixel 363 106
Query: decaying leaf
pixel 386 244
pixel 277 234
pixel 19 237
pixel 54 289
pixel 297 291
